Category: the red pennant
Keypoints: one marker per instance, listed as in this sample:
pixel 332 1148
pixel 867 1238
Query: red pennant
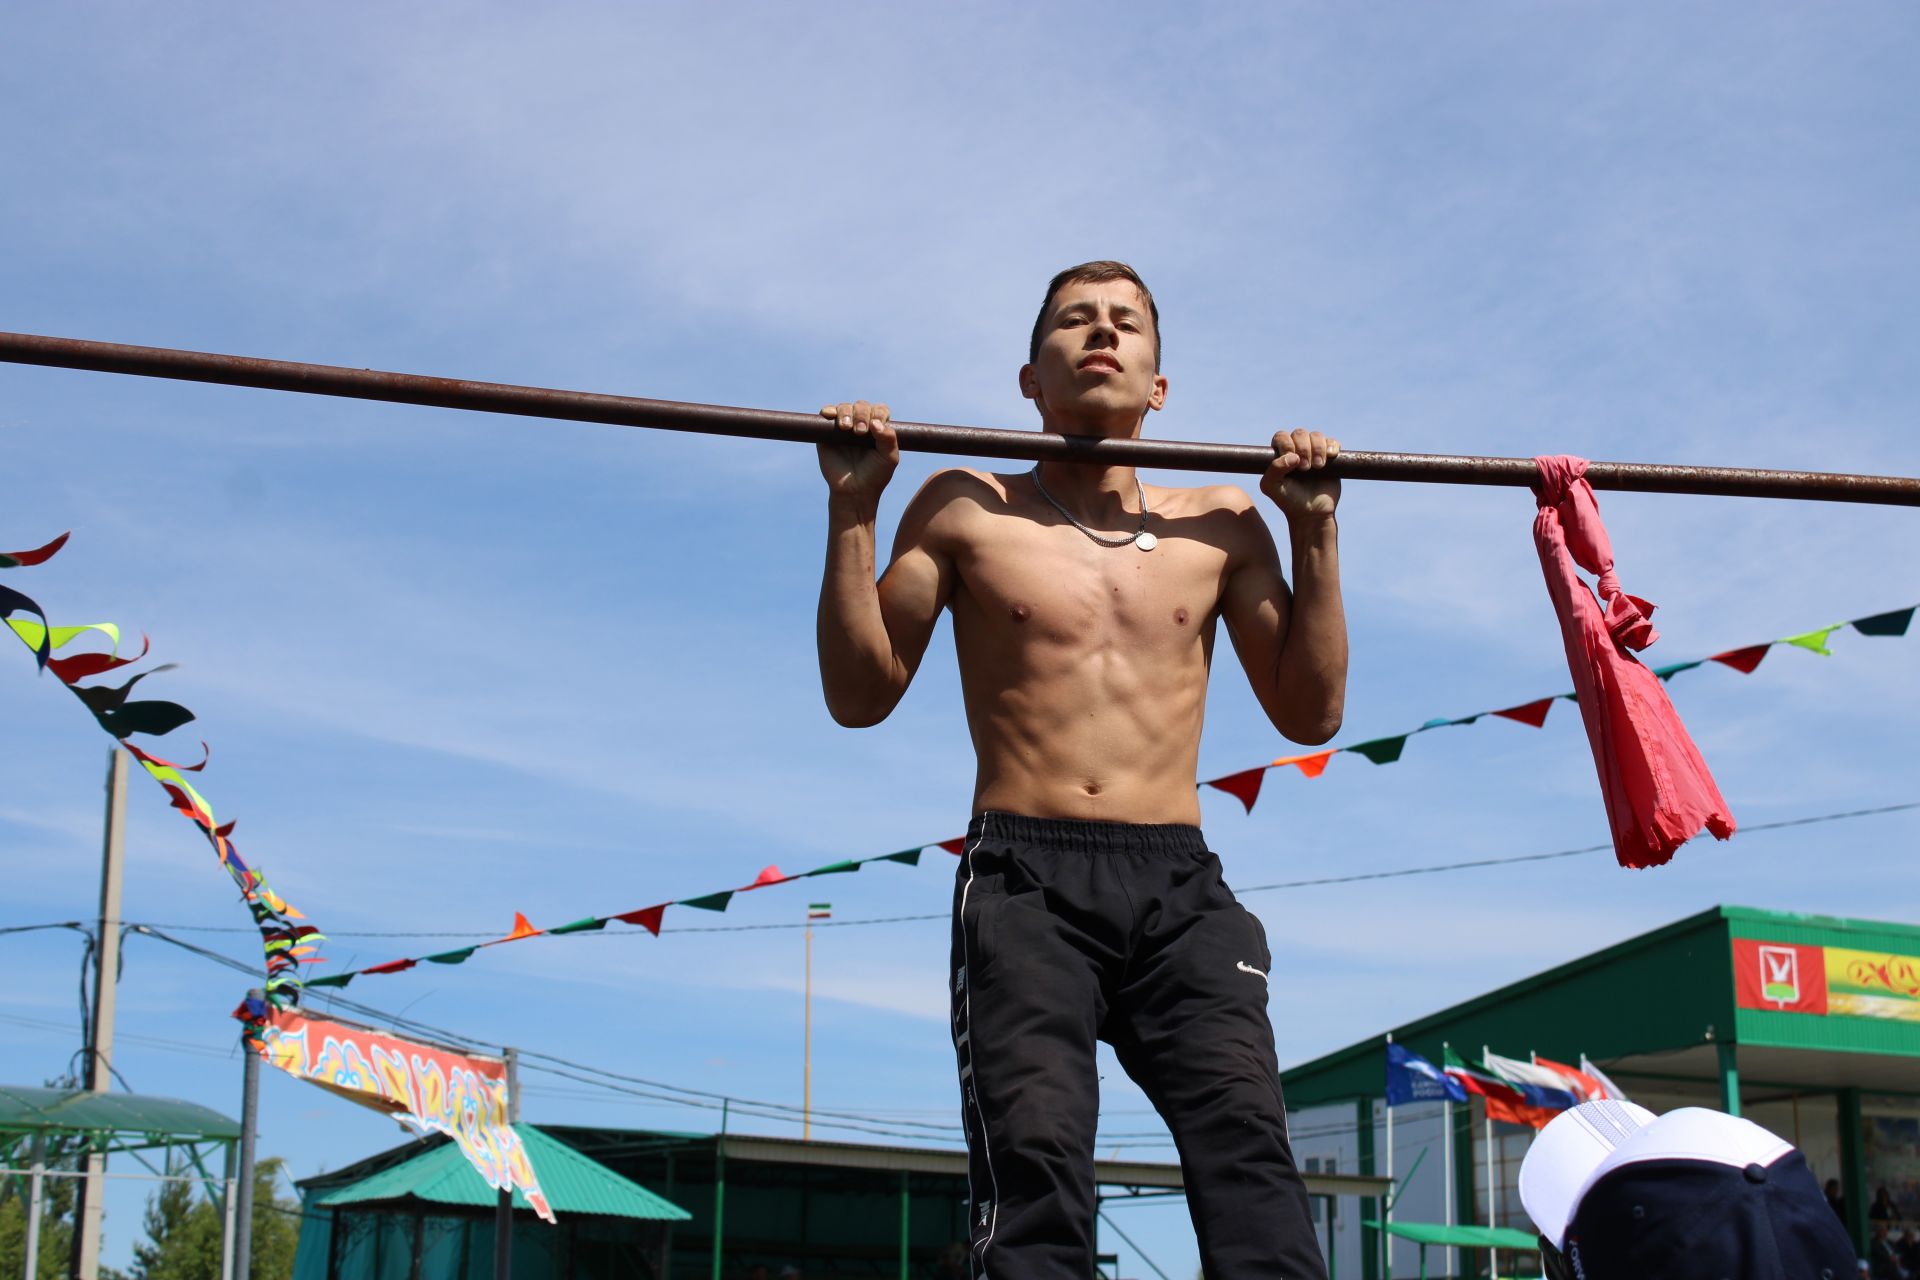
pixel 1244 787
pixel 391 966
pixel 39 555
pixel 767 876
pixel 81 665
pixel 956 846
pixel 647 918
pixel 1743 660
pixel 521 929
pixel 206 754
pixel 1533 713
pixel 1313 766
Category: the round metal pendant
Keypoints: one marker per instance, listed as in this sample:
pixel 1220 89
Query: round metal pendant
pixel 1146 541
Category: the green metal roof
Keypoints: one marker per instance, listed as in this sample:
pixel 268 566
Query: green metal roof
pixel 1464 1236
pixel 25 1109
pixel 573 1183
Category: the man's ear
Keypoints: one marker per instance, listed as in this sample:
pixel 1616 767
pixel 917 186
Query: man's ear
pixel 1158 400
pixel 1029 383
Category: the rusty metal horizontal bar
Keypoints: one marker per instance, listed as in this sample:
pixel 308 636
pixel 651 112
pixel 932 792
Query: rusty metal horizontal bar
pixel 764 424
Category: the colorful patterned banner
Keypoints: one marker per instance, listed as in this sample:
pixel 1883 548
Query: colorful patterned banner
pixel 1789 977
pixel 288 943
pixel 426 1088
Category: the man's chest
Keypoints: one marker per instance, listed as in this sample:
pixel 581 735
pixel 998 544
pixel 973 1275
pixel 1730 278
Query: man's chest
pixel 1054 585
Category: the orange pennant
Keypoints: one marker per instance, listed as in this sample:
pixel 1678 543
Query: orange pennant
pixel 1313 766
pixel 521 929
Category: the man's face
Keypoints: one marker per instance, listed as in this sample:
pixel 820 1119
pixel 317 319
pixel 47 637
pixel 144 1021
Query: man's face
pixel 1095 371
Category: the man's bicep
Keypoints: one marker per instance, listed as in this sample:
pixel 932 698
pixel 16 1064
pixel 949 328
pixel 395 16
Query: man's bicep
pixel 918 583
pixel 1257 604
pixel 912 592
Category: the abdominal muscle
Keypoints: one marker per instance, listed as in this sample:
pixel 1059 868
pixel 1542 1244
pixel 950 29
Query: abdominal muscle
pixel 1081 716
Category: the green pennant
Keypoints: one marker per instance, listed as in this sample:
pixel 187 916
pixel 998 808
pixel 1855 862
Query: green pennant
pixel 581 926
pixel 331 980
pixel 833 869
pixel 1669 672
pixel 456 956
pixel 910 857
pixel 712 902
pixel 1380 750
pixel 1885 624
pixel 1815 640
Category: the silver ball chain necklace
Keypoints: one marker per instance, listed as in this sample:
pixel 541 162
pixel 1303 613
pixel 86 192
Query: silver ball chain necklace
pixel 1139 537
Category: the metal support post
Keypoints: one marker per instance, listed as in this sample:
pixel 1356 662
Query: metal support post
pixel 106 974
pixel 1729 1077
pixel 1369 1208
pixel 249 1124
pixel 230 1203
pixel 503 1205
pixel 906 1223
pixel 36 1183
pixel 720 1186
pixel 1853 1167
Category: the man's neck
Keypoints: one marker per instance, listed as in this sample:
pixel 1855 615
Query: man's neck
pixel 1089 481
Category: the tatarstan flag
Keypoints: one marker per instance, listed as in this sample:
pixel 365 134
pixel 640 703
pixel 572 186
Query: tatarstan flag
pixel 1504 1101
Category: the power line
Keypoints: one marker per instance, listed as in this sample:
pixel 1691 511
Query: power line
pixel 1475 863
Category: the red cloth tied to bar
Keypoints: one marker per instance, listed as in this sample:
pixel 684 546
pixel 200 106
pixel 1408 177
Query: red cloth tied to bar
pixel 1657 788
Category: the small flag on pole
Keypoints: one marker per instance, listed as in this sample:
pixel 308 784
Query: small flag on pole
pixel 819 911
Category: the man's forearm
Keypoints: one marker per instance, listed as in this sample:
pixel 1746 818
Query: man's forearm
pixel 1311 672
pixel 857 666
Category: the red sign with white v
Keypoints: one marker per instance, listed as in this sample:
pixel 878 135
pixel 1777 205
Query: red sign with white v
pixel 1784 976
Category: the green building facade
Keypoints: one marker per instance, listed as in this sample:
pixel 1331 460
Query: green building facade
pixel 1808 1025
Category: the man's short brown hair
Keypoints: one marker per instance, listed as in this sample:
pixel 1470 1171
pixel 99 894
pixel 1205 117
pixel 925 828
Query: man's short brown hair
pixel 1094 273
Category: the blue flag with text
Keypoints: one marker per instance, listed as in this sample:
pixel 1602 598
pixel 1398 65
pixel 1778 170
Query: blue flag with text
pixel 1411 1078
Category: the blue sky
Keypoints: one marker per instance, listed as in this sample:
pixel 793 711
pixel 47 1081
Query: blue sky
pixel 453 666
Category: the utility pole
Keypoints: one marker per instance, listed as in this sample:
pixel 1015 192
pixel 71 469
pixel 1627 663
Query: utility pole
pixel 249 1122
pixel 106 975
pixel 503 1206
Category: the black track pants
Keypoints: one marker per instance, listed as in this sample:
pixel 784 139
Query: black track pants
pixel 1068 932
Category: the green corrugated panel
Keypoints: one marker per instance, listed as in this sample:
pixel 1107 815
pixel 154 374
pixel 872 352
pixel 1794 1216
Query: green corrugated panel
pixel 573 1183
pixel 1822 931
pixel 1835 1033
pixel 27 1109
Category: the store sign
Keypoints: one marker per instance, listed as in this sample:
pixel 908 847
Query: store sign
pixel 1873 984
pixel 1838 981
pixel 1780 976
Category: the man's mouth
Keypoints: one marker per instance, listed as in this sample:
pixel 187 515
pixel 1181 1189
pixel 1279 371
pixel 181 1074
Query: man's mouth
pixel 1100 360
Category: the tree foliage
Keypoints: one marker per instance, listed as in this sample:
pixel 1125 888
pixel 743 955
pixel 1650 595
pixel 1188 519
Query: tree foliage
pixel 183 1232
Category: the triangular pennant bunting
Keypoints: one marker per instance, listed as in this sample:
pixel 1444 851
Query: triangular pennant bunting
pixel 1529 713
pixel 1244 787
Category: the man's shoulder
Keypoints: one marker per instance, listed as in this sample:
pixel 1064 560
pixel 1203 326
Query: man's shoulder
pixel 1201 499
pixel 954 495
pixel 962 485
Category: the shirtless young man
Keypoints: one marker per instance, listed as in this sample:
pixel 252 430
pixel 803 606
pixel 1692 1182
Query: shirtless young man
pixel 1087 906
